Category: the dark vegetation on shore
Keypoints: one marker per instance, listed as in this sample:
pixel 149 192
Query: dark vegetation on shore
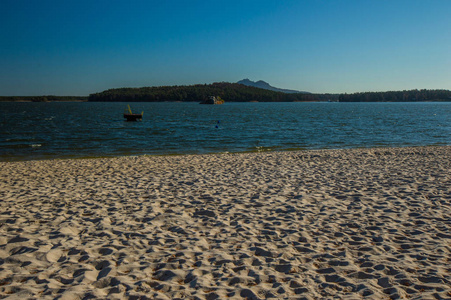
pixel 230 92
pixel 42 98
pixel 398 96
pixel 235 92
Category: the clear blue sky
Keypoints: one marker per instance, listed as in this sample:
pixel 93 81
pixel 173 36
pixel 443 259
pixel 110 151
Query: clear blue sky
pixel 65 47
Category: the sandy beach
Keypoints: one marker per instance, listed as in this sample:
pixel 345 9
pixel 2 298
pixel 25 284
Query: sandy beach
pixel 328 224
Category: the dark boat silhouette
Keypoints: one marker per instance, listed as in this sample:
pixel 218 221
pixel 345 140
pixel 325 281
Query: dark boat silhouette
pixel 129 116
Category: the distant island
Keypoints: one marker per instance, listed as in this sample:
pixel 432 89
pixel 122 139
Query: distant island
pixel 243 91
pixel 248 92
pixel 230 92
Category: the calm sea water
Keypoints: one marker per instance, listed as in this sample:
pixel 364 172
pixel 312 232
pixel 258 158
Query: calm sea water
pixel 68 130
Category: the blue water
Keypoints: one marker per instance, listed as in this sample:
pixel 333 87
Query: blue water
pixel 68 130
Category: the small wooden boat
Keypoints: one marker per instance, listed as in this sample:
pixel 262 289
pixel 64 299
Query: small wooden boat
pixel 129 116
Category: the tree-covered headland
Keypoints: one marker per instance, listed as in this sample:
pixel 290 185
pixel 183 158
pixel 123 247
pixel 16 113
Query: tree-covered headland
pixel 230 92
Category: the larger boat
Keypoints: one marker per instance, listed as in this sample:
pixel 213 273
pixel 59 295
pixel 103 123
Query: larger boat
pixel 213 100
pixel 129 116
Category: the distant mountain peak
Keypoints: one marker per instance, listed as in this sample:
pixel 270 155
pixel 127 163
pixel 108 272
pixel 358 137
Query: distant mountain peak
pixel 245 81
pixel 264 85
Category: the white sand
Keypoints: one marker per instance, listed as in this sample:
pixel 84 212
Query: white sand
pixel 348 224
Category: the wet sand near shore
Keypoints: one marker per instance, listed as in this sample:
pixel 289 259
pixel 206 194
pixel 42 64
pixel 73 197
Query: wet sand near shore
pixel 344 224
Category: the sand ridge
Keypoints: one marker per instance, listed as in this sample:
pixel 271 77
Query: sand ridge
pixel 344 224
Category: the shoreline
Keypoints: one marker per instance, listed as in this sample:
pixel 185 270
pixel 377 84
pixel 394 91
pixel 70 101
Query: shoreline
pixel 69 157
pixel 352 223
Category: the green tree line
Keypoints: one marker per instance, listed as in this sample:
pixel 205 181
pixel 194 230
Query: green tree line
pixel 42 98
pixel 230 92
pixel 398 96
